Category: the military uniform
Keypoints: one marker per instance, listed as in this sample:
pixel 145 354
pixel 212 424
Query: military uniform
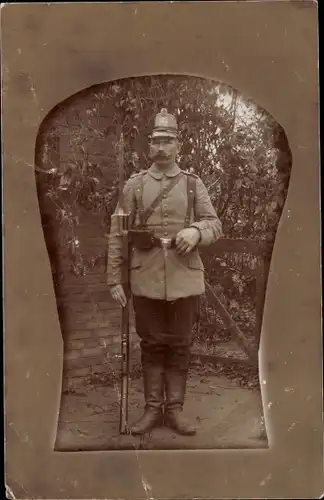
pixel 165 285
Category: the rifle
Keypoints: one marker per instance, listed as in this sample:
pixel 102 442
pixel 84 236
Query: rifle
pixel 123 231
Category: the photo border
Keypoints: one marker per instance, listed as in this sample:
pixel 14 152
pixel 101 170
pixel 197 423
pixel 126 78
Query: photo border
pixel 269 52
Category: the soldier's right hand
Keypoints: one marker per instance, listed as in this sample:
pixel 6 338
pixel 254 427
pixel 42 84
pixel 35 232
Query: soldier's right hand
pixel 118 294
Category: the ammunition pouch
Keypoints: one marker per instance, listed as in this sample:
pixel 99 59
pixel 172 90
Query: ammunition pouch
pixel 143 239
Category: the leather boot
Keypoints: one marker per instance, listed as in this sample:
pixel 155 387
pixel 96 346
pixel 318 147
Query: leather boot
pixel 175 387
pixel 153 377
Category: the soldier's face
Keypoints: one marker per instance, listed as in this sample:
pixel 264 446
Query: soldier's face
pixel 163 150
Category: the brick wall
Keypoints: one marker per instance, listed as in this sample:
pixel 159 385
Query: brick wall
pixel 90 320
pixel 92 334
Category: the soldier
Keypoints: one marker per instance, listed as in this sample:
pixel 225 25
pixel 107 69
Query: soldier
pixel 172 216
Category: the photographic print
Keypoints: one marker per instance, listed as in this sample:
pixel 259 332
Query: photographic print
pixel 162 295
pixel 135 136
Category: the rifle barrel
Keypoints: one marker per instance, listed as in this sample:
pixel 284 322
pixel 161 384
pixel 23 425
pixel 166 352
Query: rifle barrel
pixel 123 222
pixel 125 337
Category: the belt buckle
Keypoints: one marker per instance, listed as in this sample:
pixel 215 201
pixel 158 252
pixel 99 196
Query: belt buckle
pixel 166 242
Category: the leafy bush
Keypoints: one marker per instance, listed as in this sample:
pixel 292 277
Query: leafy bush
pixel 238 149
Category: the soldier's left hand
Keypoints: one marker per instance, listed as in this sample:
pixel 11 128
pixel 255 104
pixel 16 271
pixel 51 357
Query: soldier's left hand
pixel 187 239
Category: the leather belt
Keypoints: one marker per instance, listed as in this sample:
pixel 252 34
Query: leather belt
pixel 164 242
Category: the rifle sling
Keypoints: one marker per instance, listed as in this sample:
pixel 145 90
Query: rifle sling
pixel 148 212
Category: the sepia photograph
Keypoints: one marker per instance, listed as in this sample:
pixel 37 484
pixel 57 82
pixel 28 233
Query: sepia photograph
pixel 160 198
pixel 162 257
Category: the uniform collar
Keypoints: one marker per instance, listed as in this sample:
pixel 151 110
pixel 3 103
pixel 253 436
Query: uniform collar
pixel 158 174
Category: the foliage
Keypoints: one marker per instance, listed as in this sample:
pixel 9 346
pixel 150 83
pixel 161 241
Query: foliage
pixel 238 149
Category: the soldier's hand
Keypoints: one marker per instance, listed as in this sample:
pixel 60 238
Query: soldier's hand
pixel 187 239
pixel 118 294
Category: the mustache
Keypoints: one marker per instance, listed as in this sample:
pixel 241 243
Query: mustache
pixel 161 155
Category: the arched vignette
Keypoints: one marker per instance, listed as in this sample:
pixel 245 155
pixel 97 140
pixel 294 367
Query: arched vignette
pixel 57 268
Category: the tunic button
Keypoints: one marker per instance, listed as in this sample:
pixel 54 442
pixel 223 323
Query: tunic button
pixel 166 233
pixel 165 223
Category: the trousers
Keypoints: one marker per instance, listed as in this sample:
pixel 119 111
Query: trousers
pixel 165 330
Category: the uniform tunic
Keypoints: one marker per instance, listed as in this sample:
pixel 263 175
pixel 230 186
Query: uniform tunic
pixel 158 273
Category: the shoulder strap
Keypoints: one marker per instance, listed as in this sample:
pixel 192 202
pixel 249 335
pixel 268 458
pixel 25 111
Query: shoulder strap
pixel 138 174
pixel 191 195
pixel 144 215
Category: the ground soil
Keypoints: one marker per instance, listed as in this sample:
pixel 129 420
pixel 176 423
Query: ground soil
pixel 227 412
